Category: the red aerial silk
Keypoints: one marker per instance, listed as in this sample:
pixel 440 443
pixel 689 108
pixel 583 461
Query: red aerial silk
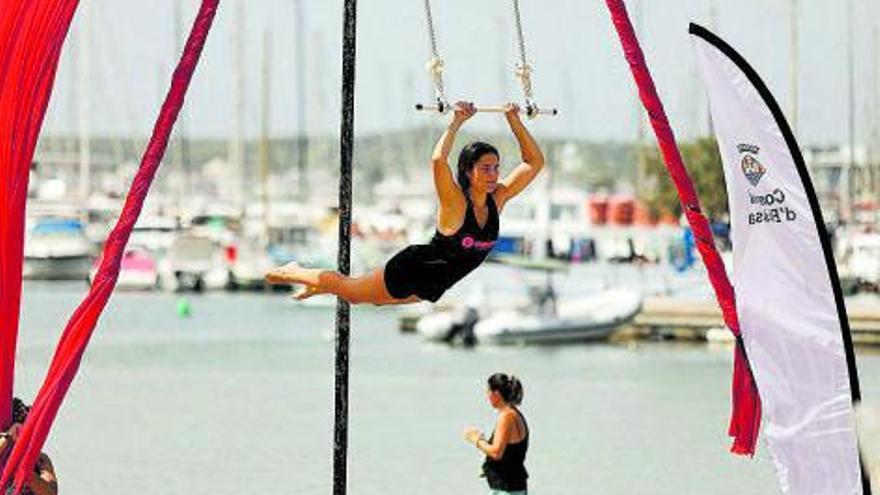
pixel 81 325
pixel 746 415
pixel 31 36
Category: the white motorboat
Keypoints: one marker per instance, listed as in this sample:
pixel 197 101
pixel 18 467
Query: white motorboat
pixel 861 260
pixel 154 233
pixel 57 249
pixel 249 262
pixel 541 319
pixel 195 263
pixel 590 318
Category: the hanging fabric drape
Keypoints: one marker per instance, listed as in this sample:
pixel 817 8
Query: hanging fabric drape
pixel 81 325
pixel 746 415
pixel 31 36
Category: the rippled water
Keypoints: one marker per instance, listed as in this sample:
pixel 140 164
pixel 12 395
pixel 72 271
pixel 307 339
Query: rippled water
pixel 239 398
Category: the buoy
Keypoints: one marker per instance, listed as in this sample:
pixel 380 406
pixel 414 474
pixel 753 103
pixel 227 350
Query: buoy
pixel 183 308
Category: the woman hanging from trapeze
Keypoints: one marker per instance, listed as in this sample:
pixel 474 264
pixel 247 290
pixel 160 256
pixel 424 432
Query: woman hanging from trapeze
pixel 467 224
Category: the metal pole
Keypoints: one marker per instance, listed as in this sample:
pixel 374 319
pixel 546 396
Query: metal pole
pixel 340 436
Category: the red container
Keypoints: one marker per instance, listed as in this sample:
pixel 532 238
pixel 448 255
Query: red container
pixel 598 210
pixel 621 210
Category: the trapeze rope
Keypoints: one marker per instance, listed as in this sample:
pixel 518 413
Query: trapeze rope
pixel 523 73
pixel 435 65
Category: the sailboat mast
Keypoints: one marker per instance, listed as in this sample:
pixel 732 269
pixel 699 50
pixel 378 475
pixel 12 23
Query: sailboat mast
pixel 83 110
pixel 640 119
pixel 875 184
pixel 318 100
pixel 503 71
pixel 236 148
pixel 184 189
pixel 846 196
pixel 713 24
pixel 302 142
pixel 264 130
pixel 874 175
pixel 793 67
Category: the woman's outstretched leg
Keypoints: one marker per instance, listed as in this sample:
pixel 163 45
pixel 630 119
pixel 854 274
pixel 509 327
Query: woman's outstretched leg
pixel 369 288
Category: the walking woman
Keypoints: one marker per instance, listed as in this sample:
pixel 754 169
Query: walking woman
pixel 504 467
pixel 467 224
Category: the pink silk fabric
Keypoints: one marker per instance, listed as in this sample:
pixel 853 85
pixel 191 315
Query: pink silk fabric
pixel 746 415
pixel 68 354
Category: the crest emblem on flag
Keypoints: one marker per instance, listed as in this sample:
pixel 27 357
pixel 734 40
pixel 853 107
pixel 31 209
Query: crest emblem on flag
pixel 752 169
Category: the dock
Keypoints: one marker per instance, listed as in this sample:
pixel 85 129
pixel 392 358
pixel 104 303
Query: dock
pixel 698 319
pixel 676 319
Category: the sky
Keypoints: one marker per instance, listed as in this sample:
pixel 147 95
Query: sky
pixel 577 60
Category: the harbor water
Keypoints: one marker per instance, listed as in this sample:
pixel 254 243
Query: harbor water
pixel 239 397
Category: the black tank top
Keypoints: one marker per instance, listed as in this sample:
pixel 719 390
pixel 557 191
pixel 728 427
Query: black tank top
pixel 509 472
pixel 466 249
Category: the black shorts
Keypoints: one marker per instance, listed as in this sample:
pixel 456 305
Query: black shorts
pixel 418 270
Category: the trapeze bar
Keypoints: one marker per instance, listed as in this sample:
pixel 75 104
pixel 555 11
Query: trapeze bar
pixel 529 111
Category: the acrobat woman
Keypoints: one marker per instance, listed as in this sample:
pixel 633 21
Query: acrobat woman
pixel 467 225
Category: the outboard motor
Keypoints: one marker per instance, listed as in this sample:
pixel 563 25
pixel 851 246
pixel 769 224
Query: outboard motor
pixel 463 327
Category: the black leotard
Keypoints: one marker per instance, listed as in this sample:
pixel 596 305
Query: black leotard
pixel 509 473
pixel 428 270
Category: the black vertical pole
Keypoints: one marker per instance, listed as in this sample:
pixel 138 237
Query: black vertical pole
pixel 340 434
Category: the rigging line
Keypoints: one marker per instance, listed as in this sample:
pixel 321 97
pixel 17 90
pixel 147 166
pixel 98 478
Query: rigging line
pixel 523 70
pixel 435 65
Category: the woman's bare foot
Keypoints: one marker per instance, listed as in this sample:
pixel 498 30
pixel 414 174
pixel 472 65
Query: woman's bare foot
pixel 291 273
pixel 306 292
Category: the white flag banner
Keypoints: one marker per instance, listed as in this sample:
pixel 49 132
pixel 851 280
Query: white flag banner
pixel 788 298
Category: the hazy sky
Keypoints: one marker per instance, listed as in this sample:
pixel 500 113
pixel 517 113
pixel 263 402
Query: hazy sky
pixel 576 55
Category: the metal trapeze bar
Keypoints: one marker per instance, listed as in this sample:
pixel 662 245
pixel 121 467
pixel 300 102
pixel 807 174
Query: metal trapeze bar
pixel 530 111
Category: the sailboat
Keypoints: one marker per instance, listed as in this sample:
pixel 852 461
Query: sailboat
pixel 249 259
pixel 56 246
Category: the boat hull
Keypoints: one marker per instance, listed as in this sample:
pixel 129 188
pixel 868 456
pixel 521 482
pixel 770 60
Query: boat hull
pixel 560 333
pixel 57 268
pixel 594 318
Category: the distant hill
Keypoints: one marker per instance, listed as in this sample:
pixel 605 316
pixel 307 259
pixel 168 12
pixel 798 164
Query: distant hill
pixel 579 163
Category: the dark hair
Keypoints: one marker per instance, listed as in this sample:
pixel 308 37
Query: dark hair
pixel 468 157
pixel 19 410
pixel 508 387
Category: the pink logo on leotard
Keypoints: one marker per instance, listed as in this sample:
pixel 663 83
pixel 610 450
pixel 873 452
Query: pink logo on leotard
pixel 468 242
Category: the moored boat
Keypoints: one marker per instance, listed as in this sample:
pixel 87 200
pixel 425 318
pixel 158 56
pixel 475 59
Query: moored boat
pixel 57 248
